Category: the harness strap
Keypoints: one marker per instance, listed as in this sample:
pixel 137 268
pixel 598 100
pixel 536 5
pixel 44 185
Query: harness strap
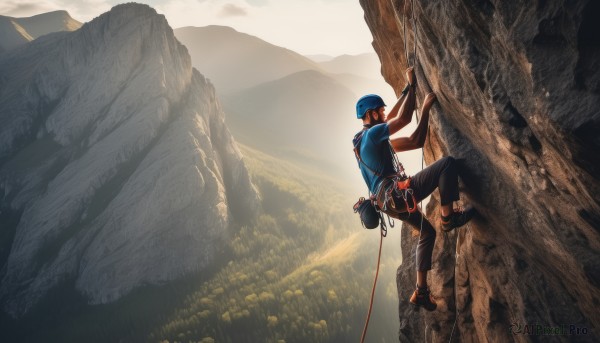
pixel 398 167
pixel 391 188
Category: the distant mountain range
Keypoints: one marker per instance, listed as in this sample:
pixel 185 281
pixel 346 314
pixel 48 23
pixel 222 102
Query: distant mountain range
pixel 303 114
pixel 360 73
pixel 234 61
pixel 366 65
pixel 320 57
pixel 18 31
pixel 282 102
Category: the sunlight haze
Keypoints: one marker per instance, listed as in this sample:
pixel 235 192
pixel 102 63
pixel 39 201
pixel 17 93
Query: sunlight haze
pixel 316 28
pixel 332 27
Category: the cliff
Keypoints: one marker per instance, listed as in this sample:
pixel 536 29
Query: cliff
pixel 518 96
pixel 116 167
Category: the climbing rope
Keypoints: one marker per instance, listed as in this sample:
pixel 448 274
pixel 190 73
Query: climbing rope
pixel 456 256
pixel 398 166
pixel 383 234
pixel 456 314
pixel 413 19
pixel 414 63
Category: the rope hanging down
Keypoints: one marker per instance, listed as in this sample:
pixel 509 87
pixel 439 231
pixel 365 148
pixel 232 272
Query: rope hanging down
pixel 364 333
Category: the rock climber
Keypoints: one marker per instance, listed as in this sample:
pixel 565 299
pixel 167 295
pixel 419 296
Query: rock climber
pixel 397 195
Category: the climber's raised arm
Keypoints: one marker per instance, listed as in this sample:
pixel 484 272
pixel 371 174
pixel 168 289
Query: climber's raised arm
pixel 401 114
pixel 394 111
pixel 417 139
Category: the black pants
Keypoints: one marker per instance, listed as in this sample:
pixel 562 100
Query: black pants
pixel 443 174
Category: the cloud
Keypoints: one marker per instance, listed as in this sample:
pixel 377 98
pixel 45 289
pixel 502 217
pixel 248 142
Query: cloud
pixel 331 27
pixel 82 10
pixel 24 9
pixel 258 3
pixel 232 10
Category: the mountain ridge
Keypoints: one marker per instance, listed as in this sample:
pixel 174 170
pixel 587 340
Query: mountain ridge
pixel 137 143
pixel 301 111
pixel 18 31
pixel 216 49
pixel 368 65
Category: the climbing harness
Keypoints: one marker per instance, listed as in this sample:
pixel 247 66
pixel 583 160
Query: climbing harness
pixel 395 184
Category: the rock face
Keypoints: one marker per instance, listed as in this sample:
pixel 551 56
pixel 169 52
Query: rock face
pixel 15 32
pixel 518 88
pixel 116 166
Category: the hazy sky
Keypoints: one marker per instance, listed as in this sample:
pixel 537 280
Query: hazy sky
pixel 332 27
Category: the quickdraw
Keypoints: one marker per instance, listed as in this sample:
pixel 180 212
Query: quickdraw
pixel 395 187
pixel 403 187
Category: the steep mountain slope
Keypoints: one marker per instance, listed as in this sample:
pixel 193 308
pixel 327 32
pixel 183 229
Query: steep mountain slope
pixel 524 79
pixel 233 60
pixel 17 31
pixel 116 167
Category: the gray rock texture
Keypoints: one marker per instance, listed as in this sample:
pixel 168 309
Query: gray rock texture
pixel 116 166
pixel 518 90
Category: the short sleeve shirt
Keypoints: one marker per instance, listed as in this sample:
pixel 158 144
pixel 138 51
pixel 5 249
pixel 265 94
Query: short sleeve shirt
pixel 376 154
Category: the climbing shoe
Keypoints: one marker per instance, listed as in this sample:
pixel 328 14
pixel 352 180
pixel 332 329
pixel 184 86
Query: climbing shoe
pixel 458 218
pixel 422 297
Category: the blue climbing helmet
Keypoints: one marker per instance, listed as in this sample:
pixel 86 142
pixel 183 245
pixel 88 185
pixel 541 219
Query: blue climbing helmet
pixel 368 102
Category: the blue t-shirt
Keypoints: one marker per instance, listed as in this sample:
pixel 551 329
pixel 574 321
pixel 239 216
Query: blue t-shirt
pixel 376 154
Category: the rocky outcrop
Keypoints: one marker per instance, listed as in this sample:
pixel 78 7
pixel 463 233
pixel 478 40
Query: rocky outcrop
pixel 116 167
pixel 518 90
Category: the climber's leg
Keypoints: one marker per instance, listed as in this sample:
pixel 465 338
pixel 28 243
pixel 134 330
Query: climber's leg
pixel 422 278
pixel 443 174
pixel 422 296
pixel 423 258
pixel 426 242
